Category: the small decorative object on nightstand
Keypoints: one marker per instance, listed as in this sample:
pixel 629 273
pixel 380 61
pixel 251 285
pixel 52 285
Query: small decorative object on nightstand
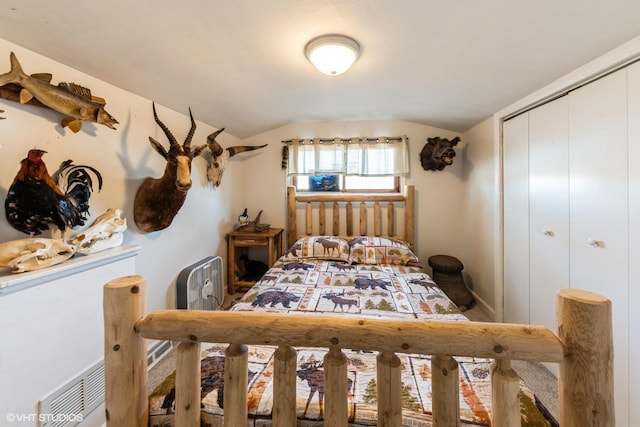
pixel 270 238
pixel 243 218
pixel 254 225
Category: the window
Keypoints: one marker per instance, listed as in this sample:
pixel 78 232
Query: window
pixel 354 164
pixel 369 184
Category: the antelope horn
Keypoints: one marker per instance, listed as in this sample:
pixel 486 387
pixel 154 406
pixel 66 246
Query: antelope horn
pixel 187 141
pixel 242 148
pixel 165 129
pixel 214 146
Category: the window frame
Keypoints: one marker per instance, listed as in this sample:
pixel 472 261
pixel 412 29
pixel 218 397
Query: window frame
pixel 347 166
pixel 395 189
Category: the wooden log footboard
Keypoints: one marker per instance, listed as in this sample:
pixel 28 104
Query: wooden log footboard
pixel 583 349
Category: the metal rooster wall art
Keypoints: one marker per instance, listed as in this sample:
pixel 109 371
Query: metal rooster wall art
pixel 35 201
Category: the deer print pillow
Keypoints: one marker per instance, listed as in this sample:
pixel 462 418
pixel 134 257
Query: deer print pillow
pixel 318 247
pixel 381 250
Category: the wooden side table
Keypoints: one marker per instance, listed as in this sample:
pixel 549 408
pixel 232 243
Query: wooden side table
pixel 271 239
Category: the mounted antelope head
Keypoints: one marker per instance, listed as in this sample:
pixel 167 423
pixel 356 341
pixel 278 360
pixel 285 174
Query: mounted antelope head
pixel 158 200
pixel 216 167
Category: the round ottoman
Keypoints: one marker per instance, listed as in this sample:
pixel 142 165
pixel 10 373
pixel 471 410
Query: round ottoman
pixel 447 273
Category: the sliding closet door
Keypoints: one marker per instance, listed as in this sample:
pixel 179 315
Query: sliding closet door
pixel 634 239
pixel 599 256
pixel 548 209
pixel 516 219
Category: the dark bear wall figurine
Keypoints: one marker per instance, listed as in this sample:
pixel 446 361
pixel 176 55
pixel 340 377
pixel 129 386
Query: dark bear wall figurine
pixel 438 153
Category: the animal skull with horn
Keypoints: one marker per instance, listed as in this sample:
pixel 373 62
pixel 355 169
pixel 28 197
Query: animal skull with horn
pixel 216 167
pixel 158 200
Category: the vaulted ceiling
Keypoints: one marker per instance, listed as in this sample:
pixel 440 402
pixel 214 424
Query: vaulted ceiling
pixel 240 63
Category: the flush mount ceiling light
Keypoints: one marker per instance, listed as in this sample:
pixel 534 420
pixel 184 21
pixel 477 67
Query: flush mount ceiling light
pixel 332 54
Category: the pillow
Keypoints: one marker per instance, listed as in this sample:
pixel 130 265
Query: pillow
pixel 381 250
pixel 318 247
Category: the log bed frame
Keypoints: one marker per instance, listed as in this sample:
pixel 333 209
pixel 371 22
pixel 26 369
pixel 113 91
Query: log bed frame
pixel 583 348
pixel 379 201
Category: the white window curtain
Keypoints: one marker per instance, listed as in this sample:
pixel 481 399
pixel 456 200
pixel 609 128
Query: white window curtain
pixel 353 156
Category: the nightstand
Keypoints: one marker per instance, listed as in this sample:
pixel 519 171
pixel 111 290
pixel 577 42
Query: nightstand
pixel 270 239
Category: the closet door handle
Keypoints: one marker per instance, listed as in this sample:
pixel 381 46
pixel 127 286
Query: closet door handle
pixel 594 243
pixel 548 233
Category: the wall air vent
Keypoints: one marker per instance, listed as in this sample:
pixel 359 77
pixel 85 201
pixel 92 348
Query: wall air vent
pixel 71 403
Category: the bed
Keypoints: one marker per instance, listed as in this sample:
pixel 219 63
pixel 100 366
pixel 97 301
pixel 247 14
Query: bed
pixel 348 329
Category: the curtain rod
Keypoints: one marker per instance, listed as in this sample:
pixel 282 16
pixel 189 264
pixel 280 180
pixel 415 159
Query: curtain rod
pixel 346 140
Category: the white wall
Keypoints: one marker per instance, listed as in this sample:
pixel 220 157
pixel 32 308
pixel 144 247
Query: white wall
pixel 482 200
pixel 50 333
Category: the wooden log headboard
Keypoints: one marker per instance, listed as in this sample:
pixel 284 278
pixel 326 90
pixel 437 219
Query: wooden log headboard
pixel 386 207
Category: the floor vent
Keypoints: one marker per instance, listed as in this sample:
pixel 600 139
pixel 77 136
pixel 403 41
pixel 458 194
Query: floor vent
pixel 71 403
pixel 68 405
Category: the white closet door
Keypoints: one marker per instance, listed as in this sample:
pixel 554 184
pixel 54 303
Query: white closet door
pixel 516 219
pixel 634 239
pixel 599 256
pixel 548 209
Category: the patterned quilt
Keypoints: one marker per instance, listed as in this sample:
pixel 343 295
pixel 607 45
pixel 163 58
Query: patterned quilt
pixel 363 290
pixel 328 286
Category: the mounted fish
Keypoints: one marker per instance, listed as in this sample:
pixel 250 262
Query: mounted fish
pixel 35 202
pixel 74 101
pixel 158 200
pixel 217 165
pixel 11 91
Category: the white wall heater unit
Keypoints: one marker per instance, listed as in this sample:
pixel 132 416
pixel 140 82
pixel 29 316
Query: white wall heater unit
pixel 200 286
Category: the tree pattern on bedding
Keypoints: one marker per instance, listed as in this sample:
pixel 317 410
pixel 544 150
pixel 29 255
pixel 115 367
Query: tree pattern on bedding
pixel 370 290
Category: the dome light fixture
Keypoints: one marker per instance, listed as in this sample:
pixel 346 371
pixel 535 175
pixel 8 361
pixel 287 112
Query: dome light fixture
pixel 332 54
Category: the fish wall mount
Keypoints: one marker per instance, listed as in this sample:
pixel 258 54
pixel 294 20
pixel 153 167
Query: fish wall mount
pixel 73 101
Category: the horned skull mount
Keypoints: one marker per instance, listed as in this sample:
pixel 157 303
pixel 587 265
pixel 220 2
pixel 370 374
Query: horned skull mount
pixel 30 254
pixel 438 153
pixel 158 200
pixel 220 160
pixel 106 232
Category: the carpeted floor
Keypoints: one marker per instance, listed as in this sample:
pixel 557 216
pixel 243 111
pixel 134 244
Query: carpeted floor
pixel 535 375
